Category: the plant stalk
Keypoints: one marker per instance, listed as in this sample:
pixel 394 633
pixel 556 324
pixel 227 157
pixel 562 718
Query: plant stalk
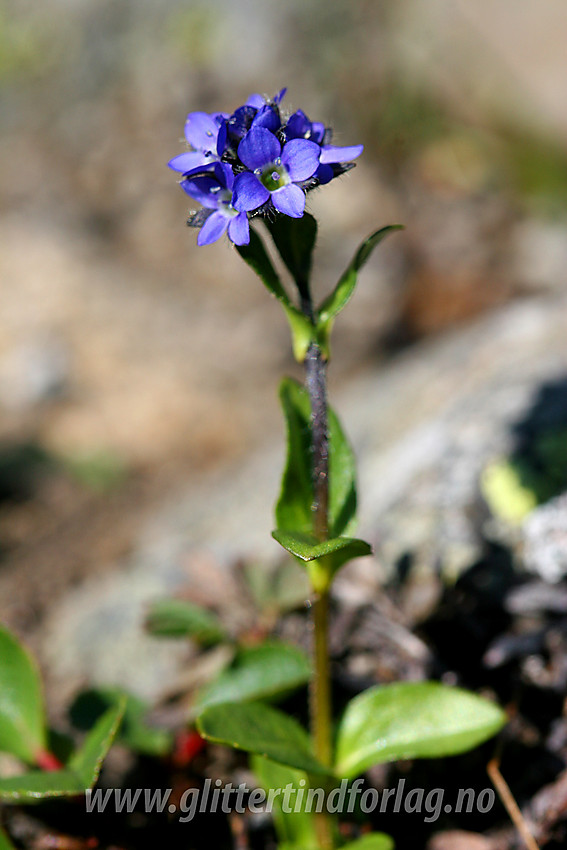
pixel 320 702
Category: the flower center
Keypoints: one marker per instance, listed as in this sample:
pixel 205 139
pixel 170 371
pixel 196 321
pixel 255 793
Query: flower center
pixel 274 176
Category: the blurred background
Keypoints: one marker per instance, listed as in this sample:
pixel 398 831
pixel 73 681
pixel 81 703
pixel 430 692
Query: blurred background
pixel 132 362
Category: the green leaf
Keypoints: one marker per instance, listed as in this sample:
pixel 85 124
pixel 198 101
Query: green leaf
pixel 22 714
pixel 5 843
pixel 260 672
pixel 87 761
pixel 295 240
pixel 412 720
pixel 295 829
pixel 78 776
pixel 373 841
pixel 135 732
pixel 302 330
pixel 338 299
pixel 178 618
pixel 258 728
pixel 293 510
pixel 306 547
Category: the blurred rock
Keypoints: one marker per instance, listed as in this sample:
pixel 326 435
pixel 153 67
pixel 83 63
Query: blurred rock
pixel 545 540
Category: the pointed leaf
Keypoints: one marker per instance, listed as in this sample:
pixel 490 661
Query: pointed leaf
pixel 179 618
pixel 87 761
pixel 295 829
pixel 338 299
pixel 261 729
pixel 302 331
pixel 135 732
pixel 22 715
pixel 373 841
pixel 79 775
pixel 295 240
pixel 261 672
pixel 293 510
pixel 412 720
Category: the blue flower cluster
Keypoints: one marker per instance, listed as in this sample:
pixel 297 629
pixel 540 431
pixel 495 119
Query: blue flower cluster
pixel 254 162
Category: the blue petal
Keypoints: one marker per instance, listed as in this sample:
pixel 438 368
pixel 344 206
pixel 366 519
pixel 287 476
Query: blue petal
pixel 202 190
pixel 301 158
pixel 201 131
pixel 189 161
pixel 324 174
pixel 256 100
pixel 239 229
pixel 224 174
pixel 267 117
pixel 289 200
pixel 258 147
pixel 240 121
pixel 317 132
pixel 222 138
pixel 298 125
pixel 213 229
pixel 280 95
pixel 248 194
pixel 331 153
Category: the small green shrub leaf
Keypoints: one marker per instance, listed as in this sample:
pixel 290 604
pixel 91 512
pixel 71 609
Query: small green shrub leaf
pixel 340 296
pixel 22 715
pixel 373 841
pixel 178 618
pixel 295 829
pixel 257 673
pixel 293 509
pixel 261 729
pixel 78 776
pixel 412 720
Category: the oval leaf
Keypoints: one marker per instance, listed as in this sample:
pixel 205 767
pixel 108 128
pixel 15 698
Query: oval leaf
pixel 261 729
pixel 78 776
pixel 178 618
pixel 261 672
pixel 293 509
pixel 412 720
pixel 22 715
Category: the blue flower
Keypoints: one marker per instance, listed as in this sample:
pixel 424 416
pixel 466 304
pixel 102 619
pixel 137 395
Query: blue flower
pixel 256 161
pixel 332 156
pixel 274 173
pixel 213 189
pixel 207 135
pixel 256 112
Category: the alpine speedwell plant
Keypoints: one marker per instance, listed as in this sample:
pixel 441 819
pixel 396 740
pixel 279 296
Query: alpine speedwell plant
pixel 260 162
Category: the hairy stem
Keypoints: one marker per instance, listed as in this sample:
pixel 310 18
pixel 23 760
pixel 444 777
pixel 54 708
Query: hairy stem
pixel 320 701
